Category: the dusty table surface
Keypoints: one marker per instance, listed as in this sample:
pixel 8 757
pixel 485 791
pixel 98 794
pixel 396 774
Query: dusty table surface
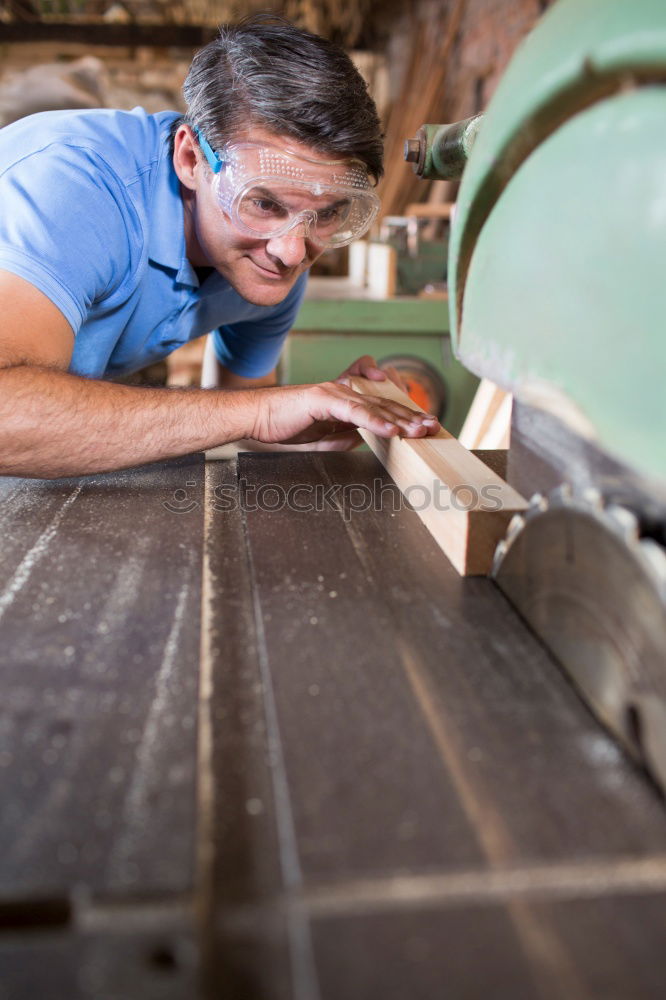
pixel 363 778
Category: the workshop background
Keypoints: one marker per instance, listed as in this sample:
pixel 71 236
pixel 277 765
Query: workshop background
pixel 460 47
pixel 363 748
pixel 433 60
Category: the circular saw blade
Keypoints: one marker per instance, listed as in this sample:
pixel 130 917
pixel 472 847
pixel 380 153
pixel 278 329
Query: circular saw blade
pixel 595 593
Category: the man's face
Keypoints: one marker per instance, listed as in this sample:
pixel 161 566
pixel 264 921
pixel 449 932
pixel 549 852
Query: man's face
pixel 261 270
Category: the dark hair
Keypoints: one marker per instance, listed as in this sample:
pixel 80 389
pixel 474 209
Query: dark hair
pixel 266 72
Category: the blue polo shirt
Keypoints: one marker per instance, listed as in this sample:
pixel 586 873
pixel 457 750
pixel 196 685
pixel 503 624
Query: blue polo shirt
pixel 91 214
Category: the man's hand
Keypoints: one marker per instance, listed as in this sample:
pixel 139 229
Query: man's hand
pixel 368 368
pixel 330 411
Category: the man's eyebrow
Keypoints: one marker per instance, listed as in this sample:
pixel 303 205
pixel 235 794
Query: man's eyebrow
pixel 264 192
pixel 340 203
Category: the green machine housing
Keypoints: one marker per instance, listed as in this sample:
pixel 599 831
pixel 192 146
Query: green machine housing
pixel 331 331
pixel 557 263
pixel 557 284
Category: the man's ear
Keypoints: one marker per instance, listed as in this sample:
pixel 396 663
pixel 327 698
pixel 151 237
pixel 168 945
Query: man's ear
pixel 186 157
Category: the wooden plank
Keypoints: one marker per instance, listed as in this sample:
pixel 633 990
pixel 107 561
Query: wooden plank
pixel 488 423
pixel 99 623
pixel 465 506
pixel 430 210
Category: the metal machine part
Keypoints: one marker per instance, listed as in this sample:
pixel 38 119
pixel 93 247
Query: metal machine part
pixel 557 295
pixel 424 383
pixel 557 243
pixel 546 452
pixel 335 325
pixel 586 568
pixel 440 152
pixel 594 591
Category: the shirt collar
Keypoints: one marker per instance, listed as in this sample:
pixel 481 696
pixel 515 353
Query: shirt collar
pixel 166 245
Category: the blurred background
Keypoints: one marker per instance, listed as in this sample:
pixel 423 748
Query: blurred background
pixel 423 60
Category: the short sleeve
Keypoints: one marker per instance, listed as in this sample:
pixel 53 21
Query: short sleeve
pixel 252 347
pixel 67 227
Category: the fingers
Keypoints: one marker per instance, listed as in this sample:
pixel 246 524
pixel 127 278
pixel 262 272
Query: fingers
pixel 395 377
pixel 368 368
pixel 383 417
pixel 299 414
pixel 365 366
pixel 416 425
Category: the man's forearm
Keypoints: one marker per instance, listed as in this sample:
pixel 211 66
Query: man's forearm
pixel 55 424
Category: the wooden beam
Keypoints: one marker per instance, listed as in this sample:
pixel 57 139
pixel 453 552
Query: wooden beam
pixel 430 210
pixel 488 422
pixel 187 36
pixel 465 506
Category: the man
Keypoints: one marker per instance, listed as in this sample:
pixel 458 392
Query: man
pixel 124 235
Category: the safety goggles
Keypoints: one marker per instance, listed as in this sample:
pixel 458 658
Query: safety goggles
pixel 268 191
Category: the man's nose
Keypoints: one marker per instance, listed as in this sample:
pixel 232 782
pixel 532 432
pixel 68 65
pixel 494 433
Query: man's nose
pixel 290 248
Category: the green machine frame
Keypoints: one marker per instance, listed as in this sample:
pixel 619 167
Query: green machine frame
pixel 331 332
pixel 558 250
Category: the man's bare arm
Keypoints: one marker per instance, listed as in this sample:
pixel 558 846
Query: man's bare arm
pixel 56 424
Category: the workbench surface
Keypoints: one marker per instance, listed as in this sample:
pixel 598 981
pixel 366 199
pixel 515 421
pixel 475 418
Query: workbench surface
pixel 363 777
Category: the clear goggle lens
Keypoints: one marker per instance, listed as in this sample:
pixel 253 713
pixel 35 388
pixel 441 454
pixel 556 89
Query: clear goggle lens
pixel 331 218
pixel 268 192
